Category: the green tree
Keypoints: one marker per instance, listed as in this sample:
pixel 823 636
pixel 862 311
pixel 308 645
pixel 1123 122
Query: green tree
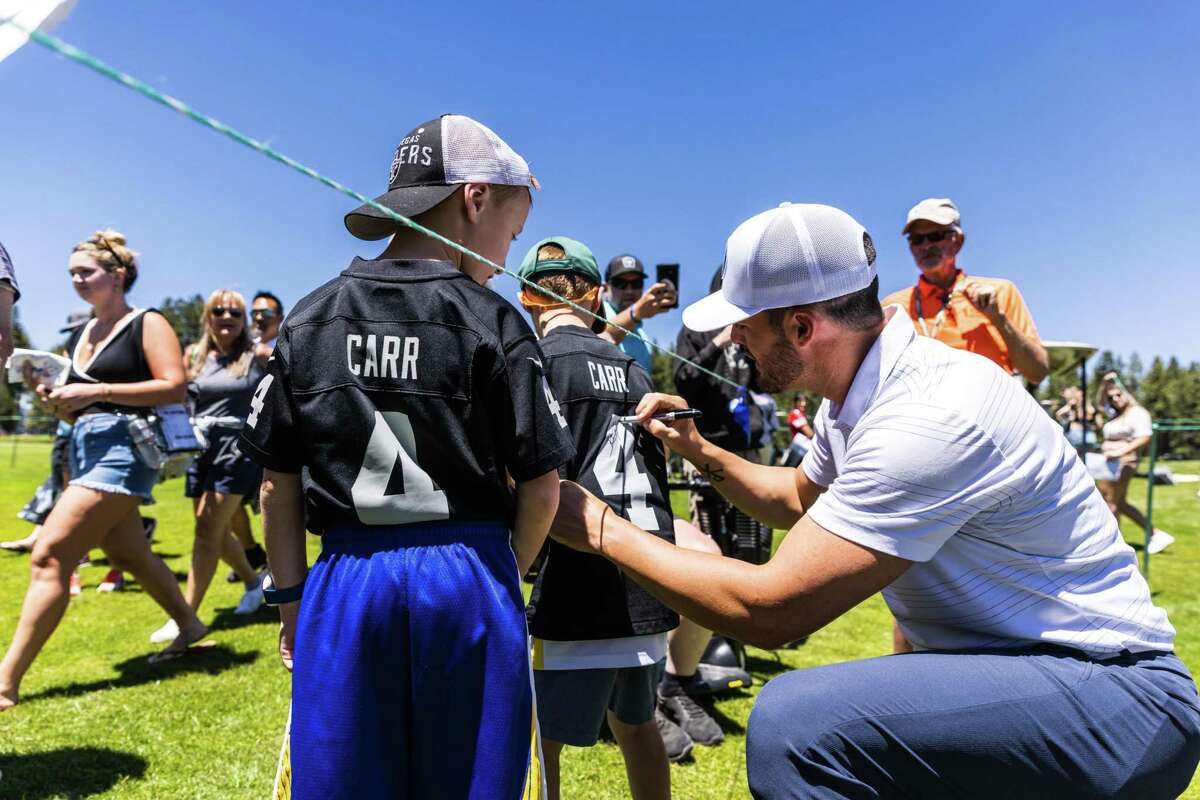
pixel 662 371
pixel 186 315
pixel 1133 373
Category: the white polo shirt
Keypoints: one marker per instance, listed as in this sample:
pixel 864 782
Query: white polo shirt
pixel 939 457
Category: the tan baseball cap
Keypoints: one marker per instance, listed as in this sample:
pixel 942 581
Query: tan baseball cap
pixel 940 210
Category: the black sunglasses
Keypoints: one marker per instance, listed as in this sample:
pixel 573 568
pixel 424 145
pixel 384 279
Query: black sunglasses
pixel 227 311
pixel 262 313
pixel 617 283
pixel 934 236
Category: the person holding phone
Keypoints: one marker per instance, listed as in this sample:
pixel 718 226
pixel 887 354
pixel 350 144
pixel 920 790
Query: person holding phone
pixel 628 303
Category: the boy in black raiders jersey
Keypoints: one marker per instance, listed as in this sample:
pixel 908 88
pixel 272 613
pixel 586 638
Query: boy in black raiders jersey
pixel 409 394
pixel 599 638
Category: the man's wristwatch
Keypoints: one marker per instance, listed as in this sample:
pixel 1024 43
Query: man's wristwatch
pixel 279 597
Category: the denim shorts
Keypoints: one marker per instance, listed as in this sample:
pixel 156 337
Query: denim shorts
pixel 103 457
pixel 223 468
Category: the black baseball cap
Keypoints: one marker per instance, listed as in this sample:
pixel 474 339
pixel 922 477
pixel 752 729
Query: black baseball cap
pixel 430 163
pixel 621 265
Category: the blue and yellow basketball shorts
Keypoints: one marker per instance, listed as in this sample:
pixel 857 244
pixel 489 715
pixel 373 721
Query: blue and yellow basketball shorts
pixel 411 674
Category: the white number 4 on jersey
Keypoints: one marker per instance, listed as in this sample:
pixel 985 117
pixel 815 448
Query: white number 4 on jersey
pixel 393 447
pixel 257 401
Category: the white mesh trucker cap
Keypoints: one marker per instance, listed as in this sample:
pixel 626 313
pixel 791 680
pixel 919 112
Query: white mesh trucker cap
pixel 795 254
pixel 433 160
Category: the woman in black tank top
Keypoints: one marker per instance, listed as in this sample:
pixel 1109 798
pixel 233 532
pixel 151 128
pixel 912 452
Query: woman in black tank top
pixel 125 360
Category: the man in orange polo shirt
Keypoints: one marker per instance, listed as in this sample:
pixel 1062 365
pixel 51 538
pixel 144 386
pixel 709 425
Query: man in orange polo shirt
pixel 983 315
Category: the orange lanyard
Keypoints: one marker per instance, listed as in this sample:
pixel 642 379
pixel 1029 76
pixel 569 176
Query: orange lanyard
pixel 940 318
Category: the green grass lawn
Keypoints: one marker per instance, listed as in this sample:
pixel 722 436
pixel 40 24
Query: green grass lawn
pixel 97 721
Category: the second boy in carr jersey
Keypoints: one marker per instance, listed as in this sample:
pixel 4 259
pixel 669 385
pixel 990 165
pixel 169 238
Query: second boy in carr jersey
pixel 599 638
pixel 593 383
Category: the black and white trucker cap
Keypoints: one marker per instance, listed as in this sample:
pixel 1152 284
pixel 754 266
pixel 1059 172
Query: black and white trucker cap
pixel 433 160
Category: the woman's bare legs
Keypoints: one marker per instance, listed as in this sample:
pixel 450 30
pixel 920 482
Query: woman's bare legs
pixel 214 511
pixel 23 545
pixel 1115 493
pixel 241 528
pixel 81 520
pixel 127 549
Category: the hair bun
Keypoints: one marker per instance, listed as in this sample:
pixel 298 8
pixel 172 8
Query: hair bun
pixel 110 236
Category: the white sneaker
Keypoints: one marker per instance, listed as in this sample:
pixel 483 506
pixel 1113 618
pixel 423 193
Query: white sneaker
pixel 1159 541
pixel 167 633
pixel 251 601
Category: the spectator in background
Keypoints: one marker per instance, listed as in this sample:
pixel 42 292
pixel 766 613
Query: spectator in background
pixel 125 361
pixel 769 410
pixel 9 293
pixel 266 315
pixel 222 374
pixel 627 306
pixel 801 430
pixel 1072 415
pixel 990 317
pixel 798 417
pixel 1126 433
pixel 45 496
pixel 733 425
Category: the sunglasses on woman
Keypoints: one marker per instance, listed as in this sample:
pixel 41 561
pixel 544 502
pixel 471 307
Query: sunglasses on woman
pixel 227 311
pixel 921 238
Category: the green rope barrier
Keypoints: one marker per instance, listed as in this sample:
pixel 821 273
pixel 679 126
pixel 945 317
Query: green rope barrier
pixel 1159 426
pixel 96 65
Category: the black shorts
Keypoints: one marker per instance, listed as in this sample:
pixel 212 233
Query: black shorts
pixel 223 468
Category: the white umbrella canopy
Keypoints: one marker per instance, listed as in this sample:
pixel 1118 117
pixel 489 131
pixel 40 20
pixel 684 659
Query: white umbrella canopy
pixel 39 15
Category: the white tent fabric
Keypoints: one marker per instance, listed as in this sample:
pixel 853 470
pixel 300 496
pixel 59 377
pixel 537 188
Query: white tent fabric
pixel 41 15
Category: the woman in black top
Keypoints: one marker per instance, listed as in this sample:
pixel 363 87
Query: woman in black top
pixel 222 376
pixel 124 362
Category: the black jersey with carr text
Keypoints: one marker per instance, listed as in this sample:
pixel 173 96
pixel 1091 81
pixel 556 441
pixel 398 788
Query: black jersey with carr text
pixel 577 596
pixel 406 393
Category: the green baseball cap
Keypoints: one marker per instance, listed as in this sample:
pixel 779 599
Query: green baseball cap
pixel 578 261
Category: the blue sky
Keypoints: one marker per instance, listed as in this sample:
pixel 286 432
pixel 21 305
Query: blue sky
pixel 1066 132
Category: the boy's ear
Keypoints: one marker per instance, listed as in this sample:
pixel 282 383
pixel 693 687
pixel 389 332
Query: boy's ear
pixel 598 326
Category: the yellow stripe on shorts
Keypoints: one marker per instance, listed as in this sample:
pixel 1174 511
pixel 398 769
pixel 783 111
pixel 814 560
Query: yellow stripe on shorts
pixel 535 782
pixel 283 773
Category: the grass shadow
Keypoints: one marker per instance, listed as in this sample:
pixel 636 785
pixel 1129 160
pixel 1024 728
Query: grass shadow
pixel 211 660
pixel 764 667
pixel 70 772
pixel 726 724
pixel 226 620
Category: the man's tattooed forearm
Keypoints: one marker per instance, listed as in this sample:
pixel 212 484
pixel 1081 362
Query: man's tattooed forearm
pixel 712 474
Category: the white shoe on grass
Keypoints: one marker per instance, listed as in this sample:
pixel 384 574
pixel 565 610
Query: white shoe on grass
pixel 1159 541
pixel 251 601
pixel 167 633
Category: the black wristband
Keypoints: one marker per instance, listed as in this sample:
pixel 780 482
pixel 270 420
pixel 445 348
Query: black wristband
pixel 279 597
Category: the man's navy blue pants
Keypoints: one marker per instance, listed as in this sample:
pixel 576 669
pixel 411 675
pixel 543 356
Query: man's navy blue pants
pixel 1043 723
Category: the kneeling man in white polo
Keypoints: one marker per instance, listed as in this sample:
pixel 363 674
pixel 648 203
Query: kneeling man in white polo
pixel 1041 665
